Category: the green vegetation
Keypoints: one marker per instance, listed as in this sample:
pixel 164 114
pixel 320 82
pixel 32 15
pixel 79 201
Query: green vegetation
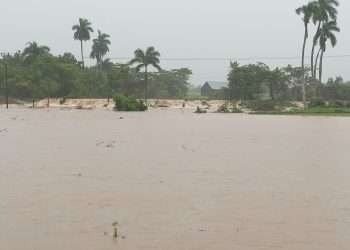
pixel 229 107
pixel 82 33
pixel 144 60
pixel 35 73
pixel 268 105
pixel 257 81
pixel 318 111
pixel 322 13
pixel 100 48
pixel 126 103
pixel 315 107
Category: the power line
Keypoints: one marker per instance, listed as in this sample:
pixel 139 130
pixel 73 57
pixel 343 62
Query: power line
pixel 234 58
pixel 263 58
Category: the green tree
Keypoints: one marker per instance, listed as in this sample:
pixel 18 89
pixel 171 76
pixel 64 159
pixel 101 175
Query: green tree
pixel 327 33
pixel 82 33
pixel 144 59
pixel 170 84
pixel 68 58
pixel 246 81
pixel 33 51
pixel 100 47
pixel 323 11
pixel 32 55
pixel 306 11
pixel 277 83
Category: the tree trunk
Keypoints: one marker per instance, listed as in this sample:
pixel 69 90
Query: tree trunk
pixel 303 65
pixel 48 95
pixel 313 50
pixel 33 96
pixel 316 62
pixel 146 84
pixel 82 53
pixel 321 66
pixel 271 92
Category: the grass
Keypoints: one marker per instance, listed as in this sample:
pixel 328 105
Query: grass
pixel 314 111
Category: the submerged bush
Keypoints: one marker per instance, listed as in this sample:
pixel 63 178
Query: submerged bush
pixel 228 108
pixel 126 103
pixel 200 111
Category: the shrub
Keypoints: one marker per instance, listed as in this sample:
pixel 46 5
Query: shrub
pixel 126 103
pixel 317 103
pixel 63 100
pixel 337 104
pixel 228 108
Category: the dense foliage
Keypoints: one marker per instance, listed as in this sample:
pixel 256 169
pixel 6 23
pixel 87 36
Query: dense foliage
pixel 126 103
pixel 259 82
pixel 35 73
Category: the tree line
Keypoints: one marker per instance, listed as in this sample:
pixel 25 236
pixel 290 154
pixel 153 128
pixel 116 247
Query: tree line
pixel 256 81
pixel 35 73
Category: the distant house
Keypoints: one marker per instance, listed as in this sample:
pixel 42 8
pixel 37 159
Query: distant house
pixel 214 89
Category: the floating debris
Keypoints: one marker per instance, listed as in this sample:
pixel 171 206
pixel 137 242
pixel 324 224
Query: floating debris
pixel 115 230
pixel 110 144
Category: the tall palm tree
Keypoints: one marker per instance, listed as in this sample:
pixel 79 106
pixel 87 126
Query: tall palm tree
pixel 324 10
pixel 306 11
pixel 327 33
pixel 100 47
pixel 144 59
pixel 82 33
pixel 33 51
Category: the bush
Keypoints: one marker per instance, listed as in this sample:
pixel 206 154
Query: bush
pixel 317 103
pixel 63 101
pixel 337 104
pixel 228 108
pixel 126 103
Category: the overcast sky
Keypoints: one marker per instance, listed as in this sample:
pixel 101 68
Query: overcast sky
pixel 178 29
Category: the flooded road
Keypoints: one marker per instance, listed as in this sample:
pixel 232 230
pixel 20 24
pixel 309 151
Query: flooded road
pixel 173 180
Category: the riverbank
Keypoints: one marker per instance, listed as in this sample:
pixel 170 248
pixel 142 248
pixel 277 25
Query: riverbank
pixel 209 106
pixel 90 104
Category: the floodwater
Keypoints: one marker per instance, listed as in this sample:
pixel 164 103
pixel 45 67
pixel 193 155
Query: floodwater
pixel 173 180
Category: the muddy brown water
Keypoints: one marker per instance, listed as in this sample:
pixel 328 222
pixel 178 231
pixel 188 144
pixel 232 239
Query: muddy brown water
pixel 173 180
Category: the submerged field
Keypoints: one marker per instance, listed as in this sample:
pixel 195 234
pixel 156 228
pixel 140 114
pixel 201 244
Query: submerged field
pixel 172 180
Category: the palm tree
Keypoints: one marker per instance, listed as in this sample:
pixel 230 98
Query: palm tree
pixel 33 51
pixel 307 12
pixel 31 54
pixel 107 65
pixel 100 47
pixel 326 33
pixel 323 11
pixel 144 59
pixel 82 33
pixel 316 61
